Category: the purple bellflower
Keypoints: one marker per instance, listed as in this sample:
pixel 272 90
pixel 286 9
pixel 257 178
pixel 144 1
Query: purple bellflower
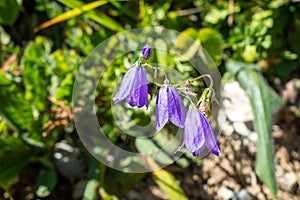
pixel 198 134
pixel 169 106
pixel 134 87
pixel 147 51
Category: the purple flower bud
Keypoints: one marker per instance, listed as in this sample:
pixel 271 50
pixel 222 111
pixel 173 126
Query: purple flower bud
pixel 147 51
pixel 198 134
pixel 134 87
pixel 169 105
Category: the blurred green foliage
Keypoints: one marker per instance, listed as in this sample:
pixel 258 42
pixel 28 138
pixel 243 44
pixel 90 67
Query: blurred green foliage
pixel 38 68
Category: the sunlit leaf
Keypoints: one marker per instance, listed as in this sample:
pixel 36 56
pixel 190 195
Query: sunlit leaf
pixel 98 17
pixel 14 107
pixel 167 182
pixel 37 62
pixel 70 14
pixel 211 41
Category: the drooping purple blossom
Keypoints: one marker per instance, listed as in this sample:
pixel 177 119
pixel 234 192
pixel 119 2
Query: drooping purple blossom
pixel 198 134
pixel 134 87
pixel 169 106
pixel 147 51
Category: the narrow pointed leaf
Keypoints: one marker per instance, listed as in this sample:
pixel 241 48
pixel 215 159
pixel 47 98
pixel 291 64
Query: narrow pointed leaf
pixel 265 103
pixel 167 182
pixel 70 14
pixel 98 17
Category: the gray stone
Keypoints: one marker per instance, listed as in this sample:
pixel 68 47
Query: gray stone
pixel 243 195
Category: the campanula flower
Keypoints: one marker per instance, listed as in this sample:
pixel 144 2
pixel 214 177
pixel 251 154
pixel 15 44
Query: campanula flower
pixel 169 106
pixel 198 134
pixel 134 87
pixel 147 51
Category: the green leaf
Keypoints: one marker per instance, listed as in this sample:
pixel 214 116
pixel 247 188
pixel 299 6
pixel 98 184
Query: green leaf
pixel 64 91
pixel 45 183
pixel 98 17
pixel 8 11
pixel 265 103
pixel 146 146
pixel 167 182
pixel 211 41
pixel 118 183
pixel 71 14
pixel 184 38
pixel 93 183
pixel 37 64
pixel 14 107
pixel 192 40
pixel 10 168
pixel 160 51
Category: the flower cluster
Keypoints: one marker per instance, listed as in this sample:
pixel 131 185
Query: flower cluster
pixel 198 133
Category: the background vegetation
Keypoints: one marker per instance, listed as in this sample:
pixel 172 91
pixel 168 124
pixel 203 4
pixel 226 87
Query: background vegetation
pixel 43 43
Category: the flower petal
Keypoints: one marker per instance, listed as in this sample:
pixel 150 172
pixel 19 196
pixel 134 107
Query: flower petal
pixel 176 107
pixel 194 132
pixel 147 51
pixel 126 83
pixel 138 95
pixel 210 140
pixel 161 108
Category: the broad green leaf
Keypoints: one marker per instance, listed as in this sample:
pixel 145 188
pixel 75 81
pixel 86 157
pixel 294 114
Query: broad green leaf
pixel 207 38
pixel 185 37
pixel 8 11
pixel 98 17
pixel 265 103
pixel 211 41
pixel 71 14
pixel 167 182
pixel 45 183
pixel 14 107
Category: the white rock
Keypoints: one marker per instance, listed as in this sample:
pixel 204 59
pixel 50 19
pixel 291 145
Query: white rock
pixel 236 103
pixel 241 128
pixel 288 180
pixel 253 137
pixel 225 193
pixel 227 128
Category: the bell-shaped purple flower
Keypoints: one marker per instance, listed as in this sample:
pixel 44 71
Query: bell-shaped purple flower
pixel 169 106
pixel 147 51
pixel 198 134
pixel 134 87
